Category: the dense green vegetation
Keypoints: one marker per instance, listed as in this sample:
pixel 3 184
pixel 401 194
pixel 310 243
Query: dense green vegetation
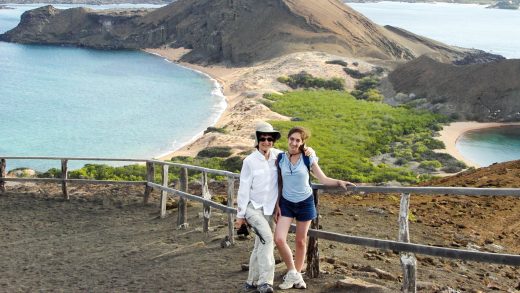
pixel 232 164
pixel 306 80
pixel 221 152
pixel 101 172
pixel 138 172
pixel 365 89
pixel 347 133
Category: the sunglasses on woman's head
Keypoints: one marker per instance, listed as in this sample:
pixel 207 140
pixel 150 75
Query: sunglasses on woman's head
pixel 269 139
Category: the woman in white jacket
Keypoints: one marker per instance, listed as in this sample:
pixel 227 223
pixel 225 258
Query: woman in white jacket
pixel 257 196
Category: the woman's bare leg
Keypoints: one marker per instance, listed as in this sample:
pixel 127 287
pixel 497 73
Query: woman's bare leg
pixel 301 244
pixel 280 238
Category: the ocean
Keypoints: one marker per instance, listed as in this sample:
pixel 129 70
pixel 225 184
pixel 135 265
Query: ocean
pixel 464 25
pixel 488 146
pixel 76 102
pixel 469 26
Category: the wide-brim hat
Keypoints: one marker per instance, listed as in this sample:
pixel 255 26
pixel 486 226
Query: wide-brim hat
pixel 266 128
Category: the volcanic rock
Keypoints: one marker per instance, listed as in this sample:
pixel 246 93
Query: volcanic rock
pixel 482 92
pixel 235 31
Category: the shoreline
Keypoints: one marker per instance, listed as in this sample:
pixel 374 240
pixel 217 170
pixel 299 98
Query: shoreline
pixel 216 74
pixel 243 89
pixel 451 133
pixel 217 91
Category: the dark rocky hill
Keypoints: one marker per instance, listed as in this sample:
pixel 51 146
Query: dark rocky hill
pixel 483 92
pixel 239 31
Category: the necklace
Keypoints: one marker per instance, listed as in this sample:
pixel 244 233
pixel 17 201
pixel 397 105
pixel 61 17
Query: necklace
pixel 289 161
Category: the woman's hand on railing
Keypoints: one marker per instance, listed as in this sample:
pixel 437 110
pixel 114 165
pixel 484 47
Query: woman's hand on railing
pixel 344 184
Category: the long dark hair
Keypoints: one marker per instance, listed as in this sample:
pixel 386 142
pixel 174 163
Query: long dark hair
pixel 305 134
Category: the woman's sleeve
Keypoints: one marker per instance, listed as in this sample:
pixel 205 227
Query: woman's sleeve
pixel 246 179
pixel 313 159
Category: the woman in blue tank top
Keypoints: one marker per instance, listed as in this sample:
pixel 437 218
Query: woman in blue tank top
pixel 295 201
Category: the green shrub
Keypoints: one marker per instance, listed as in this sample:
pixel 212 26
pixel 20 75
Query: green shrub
pixel 215 129
pixel 430 165
pixel 401 161
pixel 105 172
pixel 306 80
pixel 367 83
pixel 51 173
pixel 354 73
pixel 267 103
pixel 337 62
pixel 233 164
pixel 373 95
pixel 282 79
pixel 451 169
pixel 222 152
pixel 378 70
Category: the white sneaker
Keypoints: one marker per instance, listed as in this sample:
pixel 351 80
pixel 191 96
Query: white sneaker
pixel 293 279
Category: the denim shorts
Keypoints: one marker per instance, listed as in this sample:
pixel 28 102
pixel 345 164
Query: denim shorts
pixel 304 210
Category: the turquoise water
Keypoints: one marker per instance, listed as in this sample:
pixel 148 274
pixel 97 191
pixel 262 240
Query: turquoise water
pixel 469 26
pixel 465 25
pixel 487 146
pixel 65 101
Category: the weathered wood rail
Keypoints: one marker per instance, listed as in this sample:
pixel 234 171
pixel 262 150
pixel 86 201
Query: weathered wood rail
pixel 403 245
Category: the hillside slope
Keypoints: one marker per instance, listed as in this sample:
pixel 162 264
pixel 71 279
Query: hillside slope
pixel 239 31
pixel 482 92
pixel 503 175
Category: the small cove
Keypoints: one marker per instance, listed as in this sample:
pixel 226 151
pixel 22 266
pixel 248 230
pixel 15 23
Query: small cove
pixel 490 145
pixel 76 102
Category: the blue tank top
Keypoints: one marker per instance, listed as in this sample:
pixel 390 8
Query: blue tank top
pixel 295 178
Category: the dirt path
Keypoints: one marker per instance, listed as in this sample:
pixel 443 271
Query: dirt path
pixel 105 240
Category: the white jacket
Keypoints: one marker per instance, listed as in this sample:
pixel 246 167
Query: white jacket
pixel 258 183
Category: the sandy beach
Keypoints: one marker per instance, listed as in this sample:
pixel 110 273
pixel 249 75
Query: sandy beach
pixel 243 88
pixel 451 133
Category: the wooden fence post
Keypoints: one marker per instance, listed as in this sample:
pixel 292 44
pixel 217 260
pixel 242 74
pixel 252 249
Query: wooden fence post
pixel 3 174
pixel 64 177
pixel 149 178
pixel 164 194
pixel 230 203
pixel 408 261
pixel 206 210
pixel 313 253
pixel 182 219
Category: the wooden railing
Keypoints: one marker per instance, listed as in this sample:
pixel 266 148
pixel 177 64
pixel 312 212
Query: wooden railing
pixel 402 244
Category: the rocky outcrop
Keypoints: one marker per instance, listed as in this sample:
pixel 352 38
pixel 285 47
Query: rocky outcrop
pixel 481 92
pixel 238 31
pixel 506 4
pixel 76 26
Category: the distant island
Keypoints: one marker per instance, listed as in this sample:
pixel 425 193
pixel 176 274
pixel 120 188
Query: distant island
pixel 506 4
pixel 85 2
pixel 500 4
